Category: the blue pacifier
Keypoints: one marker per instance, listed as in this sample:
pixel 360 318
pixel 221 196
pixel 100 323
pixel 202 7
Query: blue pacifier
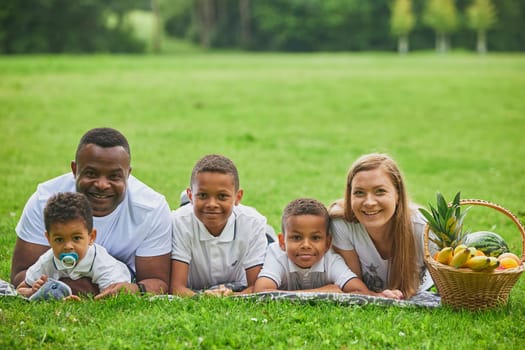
pixel 68 259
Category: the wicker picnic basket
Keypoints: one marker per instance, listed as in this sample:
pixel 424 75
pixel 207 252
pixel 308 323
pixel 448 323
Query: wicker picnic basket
pixel 464 288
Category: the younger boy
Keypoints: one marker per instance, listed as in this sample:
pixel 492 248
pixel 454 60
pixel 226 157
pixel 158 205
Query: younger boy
pixel 216 240
pixel 68 221
pixel 303 260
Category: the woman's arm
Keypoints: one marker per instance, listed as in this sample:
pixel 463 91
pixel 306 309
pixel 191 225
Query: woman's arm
pixel 356 286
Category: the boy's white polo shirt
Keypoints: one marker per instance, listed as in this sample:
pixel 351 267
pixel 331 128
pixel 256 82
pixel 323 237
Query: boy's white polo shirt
pixel 219 259
pixel 331 269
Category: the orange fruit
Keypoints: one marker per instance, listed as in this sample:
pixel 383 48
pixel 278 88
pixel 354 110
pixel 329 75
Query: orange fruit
pixel 510 255
pixel 507 263
pixel 479 253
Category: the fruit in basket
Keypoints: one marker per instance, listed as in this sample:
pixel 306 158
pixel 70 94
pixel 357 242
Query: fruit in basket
pixel 507 263
pixel 490 243
pixel 478 263
pixel 460 258
pixel 445 222
pixel 510 255
pixel 494 263
pixel 444 255
pixel 479 253
pixel 459 248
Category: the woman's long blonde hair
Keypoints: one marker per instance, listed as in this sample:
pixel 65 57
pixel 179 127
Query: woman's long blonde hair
pixel 404 273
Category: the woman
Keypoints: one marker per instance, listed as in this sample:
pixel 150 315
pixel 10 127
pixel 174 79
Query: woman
pixel 375 230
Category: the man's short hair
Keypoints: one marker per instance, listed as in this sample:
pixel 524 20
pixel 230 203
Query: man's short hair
pixel 215 163
pixel 104 137
pixel 65 207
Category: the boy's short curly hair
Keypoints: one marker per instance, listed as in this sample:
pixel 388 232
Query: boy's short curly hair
pixel 105 138
pixel 305 206
pixel 215 163
pixel 64 207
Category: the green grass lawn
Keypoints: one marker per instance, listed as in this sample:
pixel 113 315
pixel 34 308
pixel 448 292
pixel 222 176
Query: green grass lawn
pixel 293 124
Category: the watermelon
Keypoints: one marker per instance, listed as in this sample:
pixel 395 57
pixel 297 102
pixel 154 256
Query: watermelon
pixel 490 243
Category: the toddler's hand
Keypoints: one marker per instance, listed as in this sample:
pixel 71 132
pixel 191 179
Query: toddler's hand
pixel 39 283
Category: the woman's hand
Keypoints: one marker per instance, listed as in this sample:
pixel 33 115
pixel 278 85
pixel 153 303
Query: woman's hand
pixel 392 294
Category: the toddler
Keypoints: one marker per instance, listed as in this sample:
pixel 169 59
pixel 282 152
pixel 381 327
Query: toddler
pixel 68 221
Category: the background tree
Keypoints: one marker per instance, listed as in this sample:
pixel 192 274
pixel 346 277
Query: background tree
pixel 178 18
pixel 245 22
pixel 481 16
pixel 205 15
pixel 281 25
pixel 402 22
pixel 57 26
pixel 157 27
pixel 442 17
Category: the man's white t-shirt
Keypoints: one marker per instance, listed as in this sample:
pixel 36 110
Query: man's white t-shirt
pixel 139 226
pixel 331 269
pixel 219 259
pixel 97 265
pixel 375 270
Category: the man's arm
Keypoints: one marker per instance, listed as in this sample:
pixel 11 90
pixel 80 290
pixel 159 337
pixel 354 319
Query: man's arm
pixel 152 271
pixel 25 254
pixel 81 286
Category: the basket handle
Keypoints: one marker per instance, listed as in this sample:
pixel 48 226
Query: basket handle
pixel 497 207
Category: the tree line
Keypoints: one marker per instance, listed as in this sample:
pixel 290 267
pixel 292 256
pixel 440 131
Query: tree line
pixel 270 25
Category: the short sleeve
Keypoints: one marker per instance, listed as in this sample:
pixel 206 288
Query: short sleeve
pixel 338 271
pixel 341 234
pixel 256 250
pixel 181 240
pixel 158 240
pixel 31 228
pixel 109 271
pixel 39 268
pixel 273 268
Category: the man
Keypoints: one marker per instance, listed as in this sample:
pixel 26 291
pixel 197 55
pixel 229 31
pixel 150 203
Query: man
pixel 132 220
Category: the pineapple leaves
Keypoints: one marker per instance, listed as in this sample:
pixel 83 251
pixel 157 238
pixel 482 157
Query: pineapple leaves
pixel 445 221
pixel 427 216
pixel 441 205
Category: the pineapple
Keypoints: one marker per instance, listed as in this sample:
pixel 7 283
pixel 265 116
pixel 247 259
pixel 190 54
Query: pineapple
pixel 445 222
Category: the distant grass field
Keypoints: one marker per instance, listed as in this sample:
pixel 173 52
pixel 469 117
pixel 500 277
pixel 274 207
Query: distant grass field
pixel 293 124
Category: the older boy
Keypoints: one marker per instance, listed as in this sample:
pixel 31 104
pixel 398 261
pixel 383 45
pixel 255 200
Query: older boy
pixel 303 260
pixel 74 254
pixel 132 220
pixel 215 239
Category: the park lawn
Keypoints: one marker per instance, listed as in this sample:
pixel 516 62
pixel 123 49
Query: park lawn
pixel 293 124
